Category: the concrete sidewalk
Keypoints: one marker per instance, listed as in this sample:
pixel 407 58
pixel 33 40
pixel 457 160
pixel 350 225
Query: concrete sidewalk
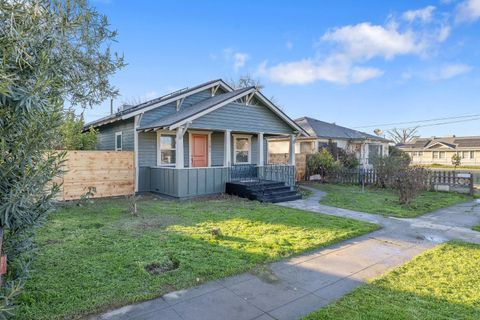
pixel 300 285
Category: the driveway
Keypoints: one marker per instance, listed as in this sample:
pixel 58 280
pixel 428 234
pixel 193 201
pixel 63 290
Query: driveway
pixel 295 287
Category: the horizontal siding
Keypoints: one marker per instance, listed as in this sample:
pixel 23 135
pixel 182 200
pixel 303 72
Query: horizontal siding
pixel 106 135
pixel 244 118
pixel 171 108
pixel 218 144
pixel 147 146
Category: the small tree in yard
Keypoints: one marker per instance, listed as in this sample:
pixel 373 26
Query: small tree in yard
pixel 456 160
pixel 53 52
pixel 387 167
pixel 72 136
pixel 409 182
pixel 322 163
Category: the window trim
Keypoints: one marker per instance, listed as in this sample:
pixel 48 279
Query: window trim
pixel 249 137
pixel 159 148
pixel 119 133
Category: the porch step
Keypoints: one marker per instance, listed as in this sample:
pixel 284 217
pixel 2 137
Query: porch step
pixel 262 190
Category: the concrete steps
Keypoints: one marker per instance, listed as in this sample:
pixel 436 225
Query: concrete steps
pixel 262 190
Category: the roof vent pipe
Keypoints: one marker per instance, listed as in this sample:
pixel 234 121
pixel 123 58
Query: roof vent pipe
pixel 111 106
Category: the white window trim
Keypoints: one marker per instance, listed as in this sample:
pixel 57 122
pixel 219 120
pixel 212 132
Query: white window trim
pixel 119 133
pixel 159 148
pixel 249 137
pixel 209 147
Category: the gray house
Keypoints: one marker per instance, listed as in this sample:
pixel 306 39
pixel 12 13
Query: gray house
pixel 193 141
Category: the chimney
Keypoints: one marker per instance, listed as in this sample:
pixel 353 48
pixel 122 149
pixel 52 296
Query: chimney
pixel 111 106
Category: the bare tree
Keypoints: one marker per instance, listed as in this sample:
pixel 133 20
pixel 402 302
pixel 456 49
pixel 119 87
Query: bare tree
pixel 403 135
pixel 245 81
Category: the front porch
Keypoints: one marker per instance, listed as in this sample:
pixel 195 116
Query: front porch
pixel 191 182
pixel 190 162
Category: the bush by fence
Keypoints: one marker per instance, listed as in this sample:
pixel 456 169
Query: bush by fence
pixel 103 173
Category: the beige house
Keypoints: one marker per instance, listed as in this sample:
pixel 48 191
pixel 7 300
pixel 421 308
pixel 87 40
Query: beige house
pixel 439 150
pixel 362 144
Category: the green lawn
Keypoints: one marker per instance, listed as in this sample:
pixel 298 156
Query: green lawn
pixel 476 228
pixel 94 257
pixel 385 201
pixel 443 283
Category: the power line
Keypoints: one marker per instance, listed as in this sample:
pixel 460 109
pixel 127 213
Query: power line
pixel 437 124
pixel 418 121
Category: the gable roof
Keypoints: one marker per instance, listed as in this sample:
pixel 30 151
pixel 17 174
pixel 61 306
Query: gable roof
pixel 187 113
pixel 321 129
pixel 451 142
pixel 157 102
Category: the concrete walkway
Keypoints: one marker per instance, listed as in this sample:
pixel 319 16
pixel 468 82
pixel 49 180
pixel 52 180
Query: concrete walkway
pixel 300 285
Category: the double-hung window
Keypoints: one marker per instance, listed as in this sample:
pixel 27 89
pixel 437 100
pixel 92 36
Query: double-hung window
pixel 435 154
pixel 472 154
pixel 242 149
pixel 166 147
pixel 118 141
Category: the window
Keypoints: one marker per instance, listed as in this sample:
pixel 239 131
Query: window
pixel 165 149
pixel 118 141
pixel 307 147
pixel 441 154
pixel 465 155
pixel 242 149
pixel 472 154
pixel 374 150
pixel 435 154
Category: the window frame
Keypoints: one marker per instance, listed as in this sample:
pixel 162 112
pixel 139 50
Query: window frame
pixel 435 155
pixel 472 155
pixel 242 136
pixel 159 148
pixel 118 133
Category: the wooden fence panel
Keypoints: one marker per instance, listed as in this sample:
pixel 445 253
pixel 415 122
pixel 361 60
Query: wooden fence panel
pixel 300 163
pixel 111 173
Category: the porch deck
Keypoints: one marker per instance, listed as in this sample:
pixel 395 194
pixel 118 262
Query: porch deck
pixel 262 190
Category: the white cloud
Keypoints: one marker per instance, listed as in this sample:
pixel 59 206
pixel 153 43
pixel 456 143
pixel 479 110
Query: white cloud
pixel 451 71
pixel 423 15
pixel 443 33
pixel 236 58
pixel 468 11
pixel 239 60
pixel 366 41
pixel 335 69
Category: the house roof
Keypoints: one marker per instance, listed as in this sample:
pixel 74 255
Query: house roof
pixel 450 142
pixel 197 108
pixel 321 129
pixel 142 107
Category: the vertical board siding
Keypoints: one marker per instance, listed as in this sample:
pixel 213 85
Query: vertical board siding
pixel 106 135
pixel 186 182
pixel 243 118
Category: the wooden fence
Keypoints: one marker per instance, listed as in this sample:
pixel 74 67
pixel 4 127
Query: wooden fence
pixel 109 173
pixel 300 163
pixel 437 180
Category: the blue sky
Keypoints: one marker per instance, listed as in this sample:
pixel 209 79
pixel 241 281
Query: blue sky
pixel 380 62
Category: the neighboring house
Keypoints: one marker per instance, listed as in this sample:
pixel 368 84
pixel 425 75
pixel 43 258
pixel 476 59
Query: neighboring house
pixel 439 150
pixel 187 142
pixel 362 144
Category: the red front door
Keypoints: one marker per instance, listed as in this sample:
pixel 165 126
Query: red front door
pixel 199 150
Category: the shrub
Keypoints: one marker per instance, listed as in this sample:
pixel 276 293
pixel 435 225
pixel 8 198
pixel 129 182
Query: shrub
pixel 348 159
pixel 409 182
pixel 321 163
pixel 387 167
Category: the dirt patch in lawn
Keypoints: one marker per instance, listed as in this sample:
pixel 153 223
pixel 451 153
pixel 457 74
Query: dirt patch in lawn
pixel 157 268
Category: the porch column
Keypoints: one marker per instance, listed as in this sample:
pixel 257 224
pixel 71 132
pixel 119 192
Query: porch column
pixel 293 139
pixel 227 157
pixel 260 161
pixel 179 161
